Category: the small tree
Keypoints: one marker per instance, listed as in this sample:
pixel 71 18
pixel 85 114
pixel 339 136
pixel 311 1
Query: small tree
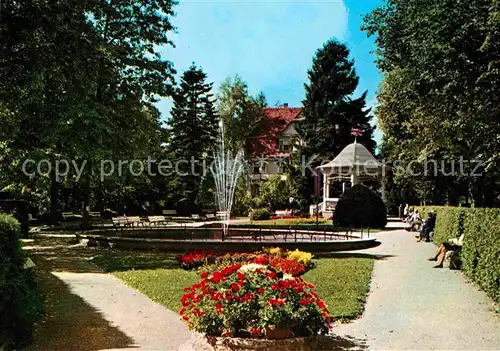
pixel 361 207
pixel 274 194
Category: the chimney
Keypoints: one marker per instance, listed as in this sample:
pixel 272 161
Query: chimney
pixel 285 105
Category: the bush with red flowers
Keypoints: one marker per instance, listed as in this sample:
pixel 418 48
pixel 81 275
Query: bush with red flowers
pixel 250 300
pixel 295 262
pixel 289 266
pixel 196 259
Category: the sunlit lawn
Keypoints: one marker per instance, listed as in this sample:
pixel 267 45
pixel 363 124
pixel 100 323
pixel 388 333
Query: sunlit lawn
pixel 342 282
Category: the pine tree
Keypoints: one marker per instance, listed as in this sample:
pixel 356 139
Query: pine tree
pixel 330 113
pixel 193 131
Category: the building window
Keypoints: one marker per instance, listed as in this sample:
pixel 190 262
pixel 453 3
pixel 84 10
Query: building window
pixel 284 145
pixel 259 168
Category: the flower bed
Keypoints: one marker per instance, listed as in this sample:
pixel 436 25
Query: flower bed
pixel 295 262
pixel 254 301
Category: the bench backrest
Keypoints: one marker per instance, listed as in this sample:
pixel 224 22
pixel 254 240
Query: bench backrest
pixel 169 212
pixel 134 219
pixel 195 216
pixel 156 218
pixel 210 215
pixel 119 220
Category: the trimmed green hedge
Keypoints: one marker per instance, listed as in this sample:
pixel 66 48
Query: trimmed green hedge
pixel 360 207
pixel 481 250
pixel 21 303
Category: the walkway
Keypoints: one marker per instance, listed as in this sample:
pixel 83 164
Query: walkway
pixel 414 306
pixel 410 306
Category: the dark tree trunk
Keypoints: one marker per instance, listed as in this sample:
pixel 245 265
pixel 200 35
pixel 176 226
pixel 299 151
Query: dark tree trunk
pixel 54 199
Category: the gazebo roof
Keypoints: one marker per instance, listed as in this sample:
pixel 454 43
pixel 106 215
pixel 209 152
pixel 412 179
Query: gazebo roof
pixel 353 155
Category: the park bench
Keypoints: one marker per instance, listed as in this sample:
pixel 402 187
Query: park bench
pixel 283 213
pixel 210 216
pixel 119 222
pixel 170 213
pixel 68 216
pixel 155 221
pixel 134 221
pixel 195 216
pixel 221 215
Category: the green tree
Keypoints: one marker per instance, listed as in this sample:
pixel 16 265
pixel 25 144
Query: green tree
pixel 240 112
pixel 274 194
pixel 435 58
pixel 194 129
pixel 330 113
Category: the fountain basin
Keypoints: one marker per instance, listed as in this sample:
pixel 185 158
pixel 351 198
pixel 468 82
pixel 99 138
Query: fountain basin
pixel 172 245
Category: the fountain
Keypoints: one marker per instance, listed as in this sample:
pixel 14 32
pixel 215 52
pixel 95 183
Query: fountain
pixel 226 169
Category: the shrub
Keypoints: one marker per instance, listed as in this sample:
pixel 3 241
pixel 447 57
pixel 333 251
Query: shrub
pixel 260 214
pixel 21 304
pixel 288 266
pixel 301 257
pixel 245 301
pixel 360 207
pixel 481 251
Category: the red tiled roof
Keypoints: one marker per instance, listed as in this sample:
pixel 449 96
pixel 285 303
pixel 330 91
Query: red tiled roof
pixel 275 121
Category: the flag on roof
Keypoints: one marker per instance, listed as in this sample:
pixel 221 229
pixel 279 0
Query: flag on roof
pixel 356 132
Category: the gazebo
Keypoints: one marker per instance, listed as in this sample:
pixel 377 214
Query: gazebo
pixel 353 165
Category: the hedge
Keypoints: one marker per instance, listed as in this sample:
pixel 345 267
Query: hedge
pixel 21 303
pixel 481 249
pixel 360 207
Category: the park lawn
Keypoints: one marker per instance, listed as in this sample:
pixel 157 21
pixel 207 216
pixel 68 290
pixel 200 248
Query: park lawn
pixel 343 283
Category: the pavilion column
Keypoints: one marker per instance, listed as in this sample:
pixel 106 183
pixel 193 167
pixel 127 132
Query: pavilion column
pixel 325 186
pixel 354 179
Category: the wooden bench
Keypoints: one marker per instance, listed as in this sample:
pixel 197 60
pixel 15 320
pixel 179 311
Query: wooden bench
pixel 210 216
pixel 222 215
pixel 68 216
pixel 170 213
pixel 283 213
pixel 155 221
pixel 119 222
pixel 134 221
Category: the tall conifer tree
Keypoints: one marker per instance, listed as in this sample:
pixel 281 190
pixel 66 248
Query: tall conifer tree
pixel 193 132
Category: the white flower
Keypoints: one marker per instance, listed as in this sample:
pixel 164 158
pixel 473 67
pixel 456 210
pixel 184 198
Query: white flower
pixel 251 267
pixel 287 276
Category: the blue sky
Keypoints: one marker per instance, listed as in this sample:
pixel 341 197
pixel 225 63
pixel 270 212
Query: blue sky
pixel 270 44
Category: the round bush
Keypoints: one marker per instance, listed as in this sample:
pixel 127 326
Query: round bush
pixel 260 214
pixel 360 207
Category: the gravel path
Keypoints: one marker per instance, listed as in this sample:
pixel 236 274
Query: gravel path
pixel 414 306
pixel 148 324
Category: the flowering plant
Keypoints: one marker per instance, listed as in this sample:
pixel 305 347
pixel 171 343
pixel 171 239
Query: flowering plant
pixel 246 301
pixel 301 257
pixel 196 259
pixel 288 266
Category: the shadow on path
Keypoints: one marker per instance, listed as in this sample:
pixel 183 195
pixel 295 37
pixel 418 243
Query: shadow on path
pixel 354 255
pixel 70 323
pixel 341 343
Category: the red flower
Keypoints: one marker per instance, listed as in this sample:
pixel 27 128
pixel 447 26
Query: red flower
pixel 235 287
pixel 304 302
pixel 255 331
pixel 260 291
pixel 204 275
pixel 275 302
pixel 227 334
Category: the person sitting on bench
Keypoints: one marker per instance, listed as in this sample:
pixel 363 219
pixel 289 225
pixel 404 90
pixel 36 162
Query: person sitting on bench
pixel 427 227
pixel 414 221
pixel 452 245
